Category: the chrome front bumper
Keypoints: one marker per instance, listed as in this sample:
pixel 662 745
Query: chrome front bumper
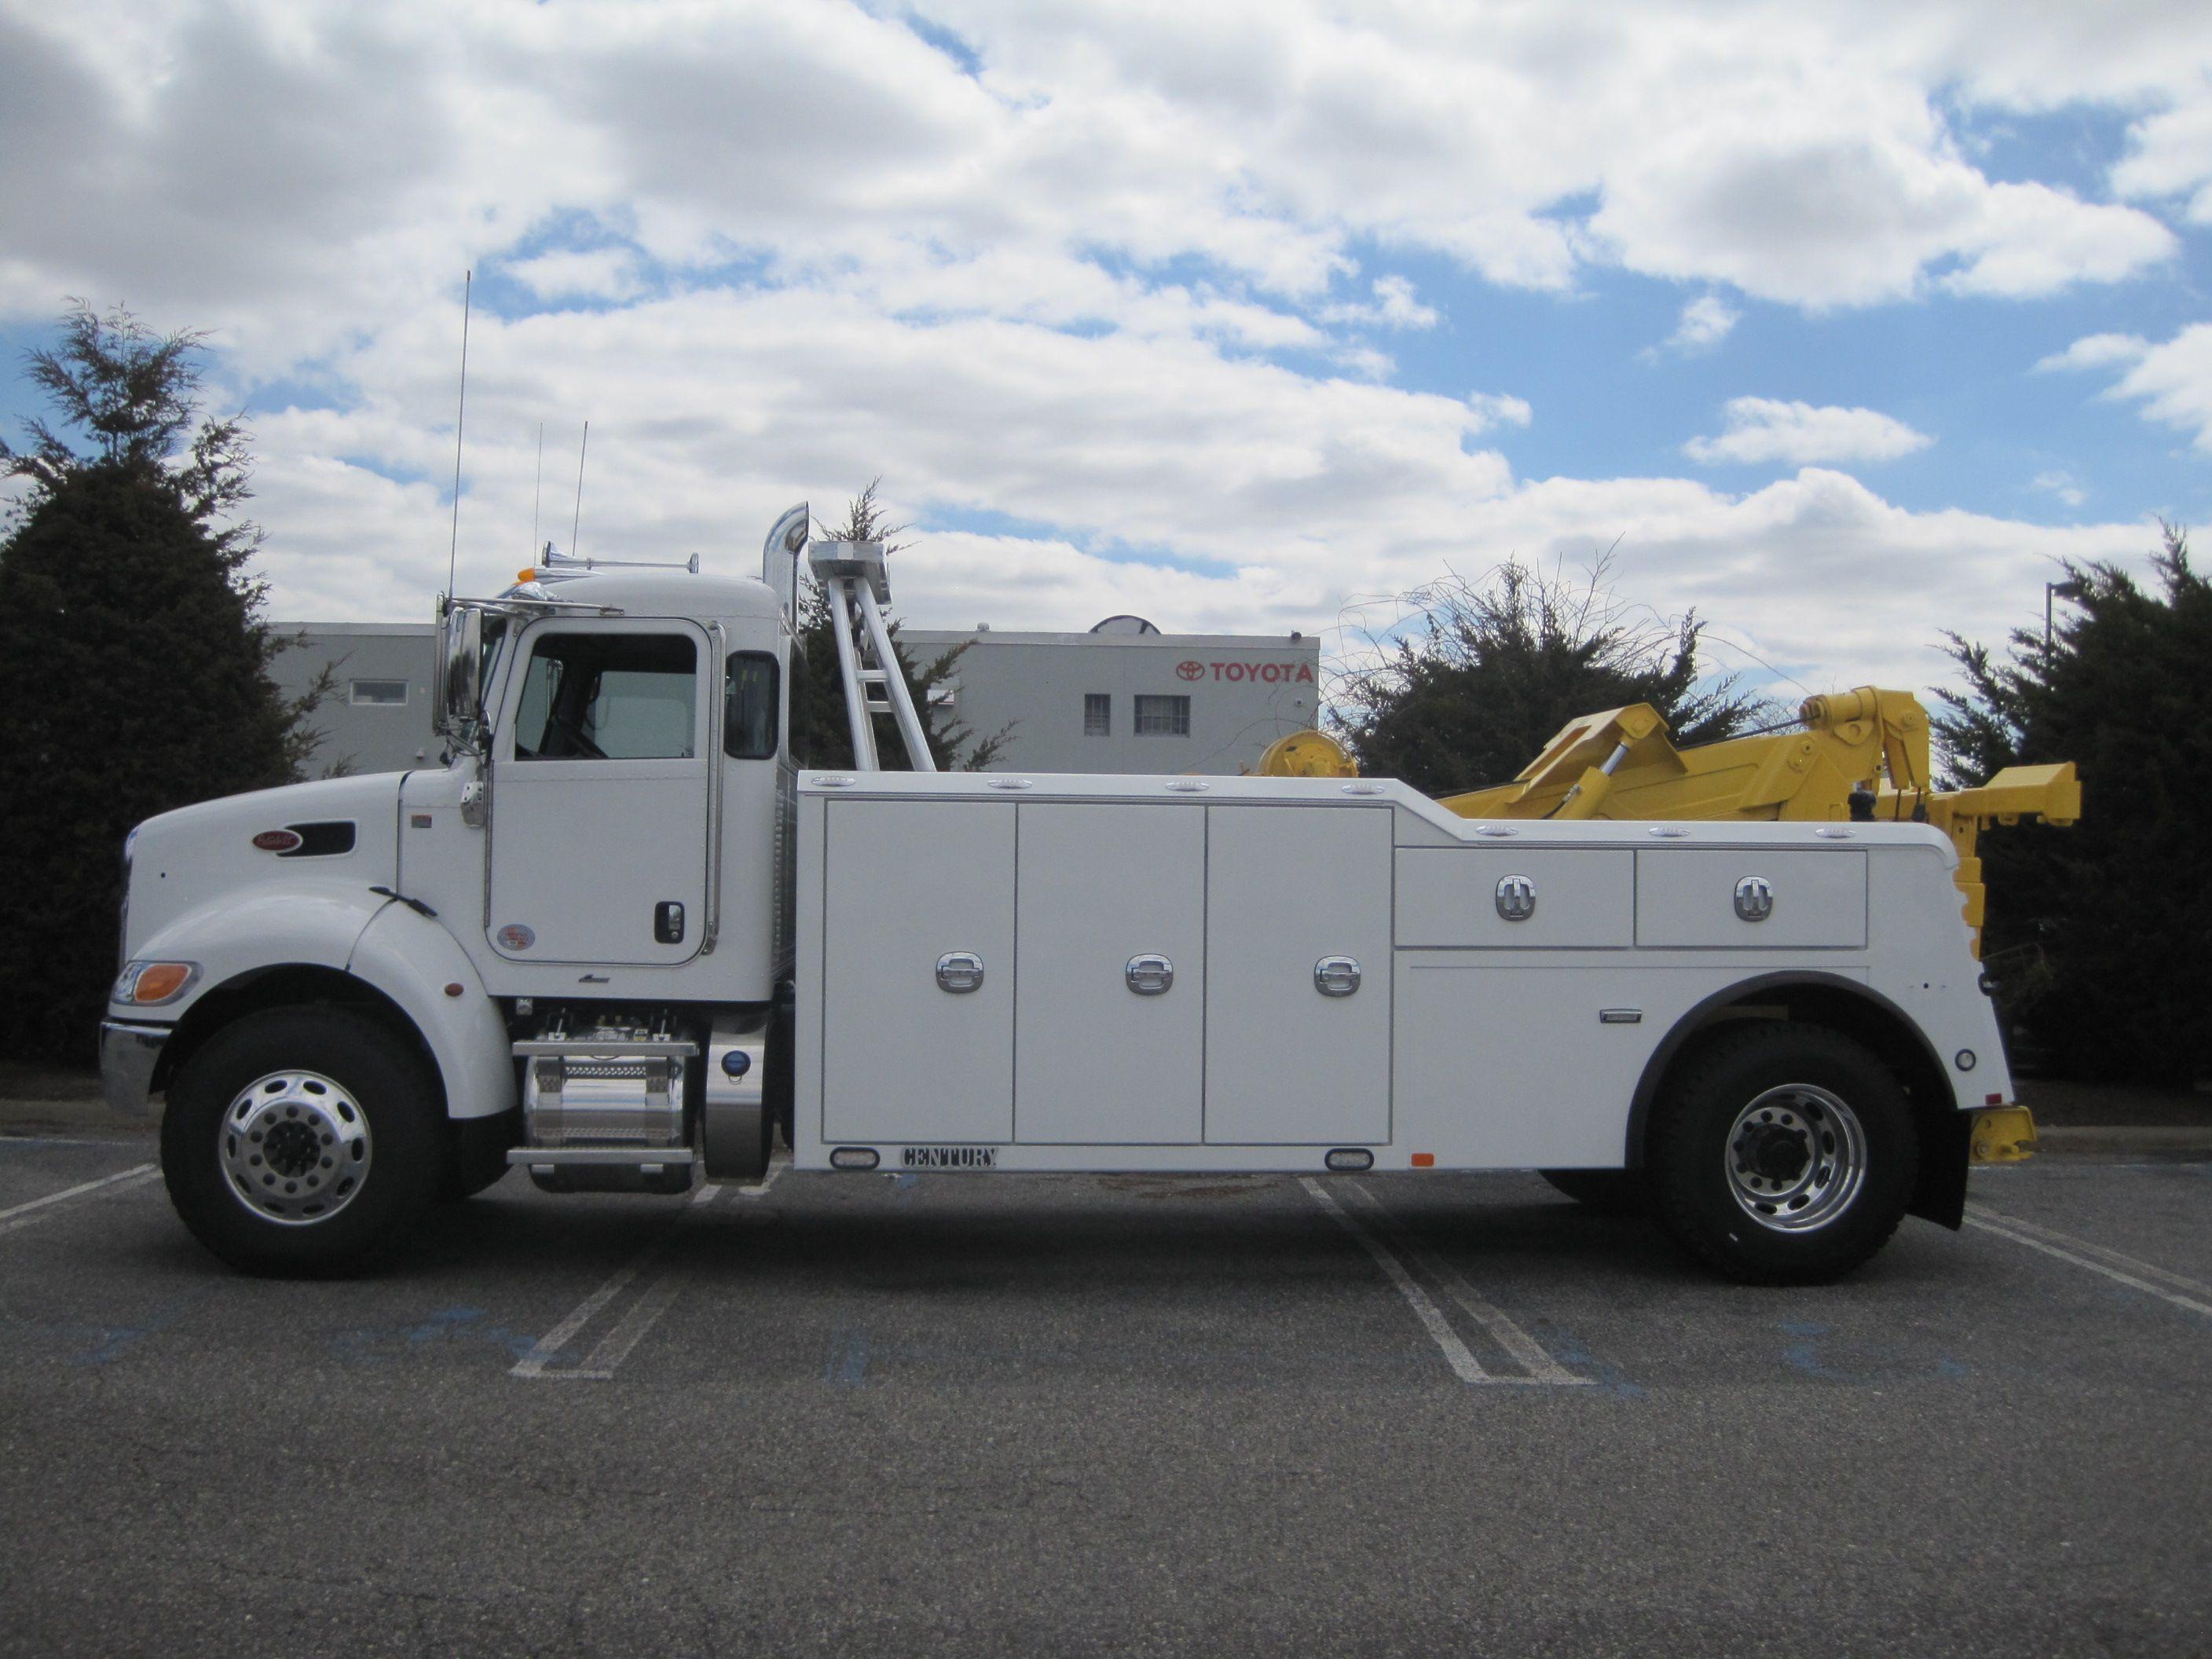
pixel 127 1055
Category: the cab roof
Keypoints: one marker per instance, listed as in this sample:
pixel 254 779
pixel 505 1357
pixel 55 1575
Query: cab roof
pixel 652 590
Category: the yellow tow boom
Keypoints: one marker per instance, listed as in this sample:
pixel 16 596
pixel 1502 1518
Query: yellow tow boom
pixel 1860 754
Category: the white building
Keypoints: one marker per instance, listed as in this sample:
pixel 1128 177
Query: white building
pixel 1126 698
pixel 1122 697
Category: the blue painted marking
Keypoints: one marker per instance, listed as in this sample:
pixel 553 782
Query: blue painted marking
pixel 1574 1353
pixel 1880 1364
pixel 848 1367
pixel 379 1345
pixel 112 1342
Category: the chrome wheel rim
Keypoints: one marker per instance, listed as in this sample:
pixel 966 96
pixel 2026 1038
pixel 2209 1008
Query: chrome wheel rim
pixel 1796 1157
pixel 295 1148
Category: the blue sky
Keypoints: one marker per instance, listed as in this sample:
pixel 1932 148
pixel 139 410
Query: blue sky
pixel 1842 323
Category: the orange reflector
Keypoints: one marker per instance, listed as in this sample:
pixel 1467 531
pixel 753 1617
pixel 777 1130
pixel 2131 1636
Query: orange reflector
pixel 1425 1160
pixel 526 576
pixel 160 980
pixel 452 988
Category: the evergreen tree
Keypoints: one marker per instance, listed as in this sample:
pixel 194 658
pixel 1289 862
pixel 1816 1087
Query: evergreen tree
pixel 133 662
pixel 2096 934
pixel 820 735
pixel 1486 674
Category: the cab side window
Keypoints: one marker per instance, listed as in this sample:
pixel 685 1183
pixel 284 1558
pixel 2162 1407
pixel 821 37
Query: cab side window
pixel 608 697
pixel 748 708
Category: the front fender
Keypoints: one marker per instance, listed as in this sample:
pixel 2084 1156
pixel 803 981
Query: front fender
pixel 417 964
pixel 311 924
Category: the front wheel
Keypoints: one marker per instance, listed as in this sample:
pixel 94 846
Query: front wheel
pixel 300 1140
pixel 1782 1155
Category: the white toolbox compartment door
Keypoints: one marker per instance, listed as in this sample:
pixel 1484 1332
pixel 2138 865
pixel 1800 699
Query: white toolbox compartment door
pixel 904 1060
pixel 1287 886
pixel 1575 897
pixel 1687 896
pixel 1095 1061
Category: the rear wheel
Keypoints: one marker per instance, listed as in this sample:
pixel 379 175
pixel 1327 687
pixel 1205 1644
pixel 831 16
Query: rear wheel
pixel 300 1140
pixel 1782 1155
pixel 1601 1192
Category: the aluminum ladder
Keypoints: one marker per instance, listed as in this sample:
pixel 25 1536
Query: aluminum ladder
pixel 857 587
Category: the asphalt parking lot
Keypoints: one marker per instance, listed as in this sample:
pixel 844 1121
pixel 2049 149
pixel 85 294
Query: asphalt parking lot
pixel 899 1414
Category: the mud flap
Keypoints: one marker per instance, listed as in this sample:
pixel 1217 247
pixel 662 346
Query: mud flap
pixel 1940 1195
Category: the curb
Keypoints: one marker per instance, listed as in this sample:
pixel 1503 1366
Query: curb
pixel 2147 1140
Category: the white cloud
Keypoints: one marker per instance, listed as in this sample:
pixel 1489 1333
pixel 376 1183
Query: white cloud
pixel 1395 306
pixel 1207 491
pixel 2170 155
pixel 2060 484
pixel 2173 382
pixel 1500 409
pixel 292 175
pixel 1705 322
pixel 1769 429
pixel 2096 351
pixel 1054 288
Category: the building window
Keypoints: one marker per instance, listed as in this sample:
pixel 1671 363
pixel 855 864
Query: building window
pixel 382 694
pixel 1098 714
pixel 1165 716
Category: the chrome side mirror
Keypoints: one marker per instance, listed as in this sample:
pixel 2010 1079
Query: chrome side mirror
pixel 460 670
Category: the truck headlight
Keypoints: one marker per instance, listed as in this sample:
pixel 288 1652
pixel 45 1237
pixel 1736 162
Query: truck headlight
pixel 145 984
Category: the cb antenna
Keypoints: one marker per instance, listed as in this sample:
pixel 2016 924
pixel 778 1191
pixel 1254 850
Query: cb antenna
pixel 576 521
pixel 537 492
pixel 453 549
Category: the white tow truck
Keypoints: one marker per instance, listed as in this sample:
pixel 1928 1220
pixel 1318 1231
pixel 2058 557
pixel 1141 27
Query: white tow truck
pixel 621 940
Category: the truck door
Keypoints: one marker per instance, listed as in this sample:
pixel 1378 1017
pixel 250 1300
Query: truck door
pixel 598 801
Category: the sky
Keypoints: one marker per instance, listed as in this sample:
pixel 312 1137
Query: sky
pixel 1840 323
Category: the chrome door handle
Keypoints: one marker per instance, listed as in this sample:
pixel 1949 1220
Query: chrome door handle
pixel 1150 975
pixel 1336 977
pixel 959 972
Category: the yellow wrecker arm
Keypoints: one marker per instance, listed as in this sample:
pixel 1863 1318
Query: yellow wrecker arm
pixel 1860 754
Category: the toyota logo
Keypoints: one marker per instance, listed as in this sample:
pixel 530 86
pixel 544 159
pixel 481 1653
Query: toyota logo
pixel 1190 671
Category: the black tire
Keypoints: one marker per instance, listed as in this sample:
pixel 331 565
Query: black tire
pixel 476 1155
pixel 1601 1192
pixel 344 1070
pixel 1734 1119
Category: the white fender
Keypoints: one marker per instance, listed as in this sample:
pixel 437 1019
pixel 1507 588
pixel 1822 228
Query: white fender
pixel 414 961
pixel 312 923
pixel 402 953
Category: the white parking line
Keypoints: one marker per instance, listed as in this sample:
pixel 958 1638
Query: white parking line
pixel 25 1215
pixel 1541 1366
pixel 2097 1258
pixel 1465 1366
pixel 598 1366
pixel 765 1181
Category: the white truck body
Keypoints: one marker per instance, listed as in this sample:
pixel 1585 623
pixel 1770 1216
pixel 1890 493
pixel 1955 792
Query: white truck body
pixel 620 936
pixel 1471 1041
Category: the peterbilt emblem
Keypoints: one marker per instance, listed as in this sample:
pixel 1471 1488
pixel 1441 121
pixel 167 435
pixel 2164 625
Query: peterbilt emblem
pixel 515 937
pixel 1755 898
pixel 1517 898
